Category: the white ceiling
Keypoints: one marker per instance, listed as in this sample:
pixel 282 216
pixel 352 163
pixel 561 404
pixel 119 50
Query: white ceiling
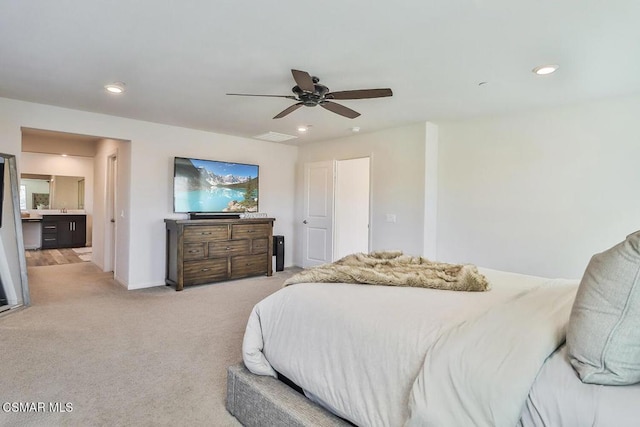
pixel 178 59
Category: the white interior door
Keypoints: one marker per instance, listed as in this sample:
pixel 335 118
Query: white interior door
pixel 317 236
pixel 351 207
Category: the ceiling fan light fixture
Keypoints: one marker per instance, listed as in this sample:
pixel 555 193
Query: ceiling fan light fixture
pixel 310 93
pixel 544 70
pixel 115 88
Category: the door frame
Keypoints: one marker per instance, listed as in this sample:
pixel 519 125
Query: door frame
pixel 111 210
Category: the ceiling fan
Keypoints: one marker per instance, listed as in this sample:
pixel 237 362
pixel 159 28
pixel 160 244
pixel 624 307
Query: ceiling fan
pixel 309 93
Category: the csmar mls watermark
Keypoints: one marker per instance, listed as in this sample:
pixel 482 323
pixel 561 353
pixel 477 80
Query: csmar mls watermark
pixel 37 407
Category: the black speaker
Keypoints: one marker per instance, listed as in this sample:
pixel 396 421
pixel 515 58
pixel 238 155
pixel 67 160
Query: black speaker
pixel 278 252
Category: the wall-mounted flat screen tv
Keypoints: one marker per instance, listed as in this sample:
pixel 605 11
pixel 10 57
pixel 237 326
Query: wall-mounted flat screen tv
pixel 210 186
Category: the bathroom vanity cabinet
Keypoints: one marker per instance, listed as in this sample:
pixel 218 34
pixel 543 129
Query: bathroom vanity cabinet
pixel 64 231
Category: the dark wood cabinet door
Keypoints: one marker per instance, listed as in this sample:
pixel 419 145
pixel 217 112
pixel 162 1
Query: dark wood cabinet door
pixel 65 233
pixel 79 231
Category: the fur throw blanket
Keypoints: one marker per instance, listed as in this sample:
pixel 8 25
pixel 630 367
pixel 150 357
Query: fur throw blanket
pixel 394 269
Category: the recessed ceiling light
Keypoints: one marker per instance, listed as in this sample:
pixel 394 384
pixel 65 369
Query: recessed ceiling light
pixel 302 129
pixel 115 88
pixel 63 155
pixel 355 129
pixel 545 69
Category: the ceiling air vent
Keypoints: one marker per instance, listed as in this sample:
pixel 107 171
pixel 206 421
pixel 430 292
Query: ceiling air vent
pixel 275 137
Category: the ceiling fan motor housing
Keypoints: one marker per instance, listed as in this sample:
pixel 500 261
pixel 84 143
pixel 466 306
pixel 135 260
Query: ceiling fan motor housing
pixel 311 99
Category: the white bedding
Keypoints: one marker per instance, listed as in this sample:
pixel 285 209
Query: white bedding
pixel 559 398
pixel 479 372
pixel 358 350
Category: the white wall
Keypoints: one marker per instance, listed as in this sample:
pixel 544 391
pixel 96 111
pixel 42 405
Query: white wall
pixel 397 182
pixel 53 143
pixel 150 169
pixel 122 150
pixel 540 192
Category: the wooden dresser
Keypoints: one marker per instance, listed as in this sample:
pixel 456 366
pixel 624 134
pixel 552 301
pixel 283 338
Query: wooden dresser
pixel 210 250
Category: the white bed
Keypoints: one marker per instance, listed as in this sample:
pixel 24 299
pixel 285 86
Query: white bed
pixel 389 356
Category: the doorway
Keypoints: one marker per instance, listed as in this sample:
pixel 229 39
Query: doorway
pixel 351 207
pixel 336 210
pixel 95 163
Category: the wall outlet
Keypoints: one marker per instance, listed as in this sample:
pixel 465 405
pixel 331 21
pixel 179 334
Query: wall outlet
pixel 391 217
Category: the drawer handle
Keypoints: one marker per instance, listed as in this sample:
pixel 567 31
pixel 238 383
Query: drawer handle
pixel 49 240
pixel 50 226
pixel 204 233
pixel 193 251
pixel 250 231
pixel 205 269
pixel 228 248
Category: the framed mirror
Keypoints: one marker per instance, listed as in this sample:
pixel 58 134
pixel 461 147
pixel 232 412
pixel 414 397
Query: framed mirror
pixel 51 192
pixel 14 287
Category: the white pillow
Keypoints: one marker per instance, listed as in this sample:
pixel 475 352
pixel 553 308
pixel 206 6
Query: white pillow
pixel 603 337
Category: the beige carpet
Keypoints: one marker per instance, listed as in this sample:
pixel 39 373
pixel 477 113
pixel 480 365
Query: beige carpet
pixel 152 357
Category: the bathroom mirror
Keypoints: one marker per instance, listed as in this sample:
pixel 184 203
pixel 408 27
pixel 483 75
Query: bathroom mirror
pixel 51 192
pixel 14 287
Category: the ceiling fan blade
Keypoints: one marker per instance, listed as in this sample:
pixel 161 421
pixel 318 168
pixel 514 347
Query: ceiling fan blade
pixel 289 110
pixel 303 80
pixel 340 109
pixel 271 96
pixel 360 94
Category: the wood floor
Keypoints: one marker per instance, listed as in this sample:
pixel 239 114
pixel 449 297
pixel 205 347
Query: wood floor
pixel 52 257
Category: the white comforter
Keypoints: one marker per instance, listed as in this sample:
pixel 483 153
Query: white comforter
pixel 381 356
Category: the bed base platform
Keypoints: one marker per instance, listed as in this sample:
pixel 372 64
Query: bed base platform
pixel 258 401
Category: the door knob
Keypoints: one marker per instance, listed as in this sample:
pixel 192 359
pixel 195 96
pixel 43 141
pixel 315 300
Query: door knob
pixel 304 222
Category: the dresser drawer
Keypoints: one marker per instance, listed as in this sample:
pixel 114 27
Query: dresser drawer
pixel 192 251
pixel 260 246
pixel 250 231
pixel 206 271
pixel 204 233
pixel 223 248
pixel 248 265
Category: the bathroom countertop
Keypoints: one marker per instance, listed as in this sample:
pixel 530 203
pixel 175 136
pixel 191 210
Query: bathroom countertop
pixel 40 213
